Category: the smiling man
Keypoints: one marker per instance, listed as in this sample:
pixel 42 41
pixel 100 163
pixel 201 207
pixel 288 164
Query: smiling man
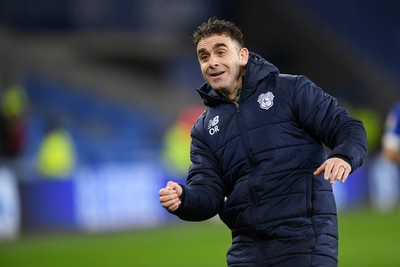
pixel 258 159
pixel 223 64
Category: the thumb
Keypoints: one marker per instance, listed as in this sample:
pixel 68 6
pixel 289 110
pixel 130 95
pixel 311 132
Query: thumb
pixel 175 186
pixel 171 185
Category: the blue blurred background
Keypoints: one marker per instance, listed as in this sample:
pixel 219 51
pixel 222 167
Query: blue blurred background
pixel 101 97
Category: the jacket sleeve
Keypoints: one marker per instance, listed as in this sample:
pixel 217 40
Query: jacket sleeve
pixel 321 115
pixel 203 196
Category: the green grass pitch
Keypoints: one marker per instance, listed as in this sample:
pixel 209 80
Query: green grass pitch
pixel 366 239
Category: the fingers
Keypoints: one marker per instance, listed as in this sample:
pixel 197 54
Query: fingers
pixel 169 199
pixel 338 173
pixel 319 170
pixel 176 187
pixel 170 196
pixel 345 175
pixel 335 169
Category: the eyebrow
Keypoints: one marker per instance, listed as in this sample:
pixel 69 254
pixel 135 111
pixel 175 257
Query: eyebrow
pixel 217 45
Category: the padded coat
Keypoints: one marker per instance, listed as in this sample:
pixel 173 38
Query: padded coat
pixel 253 164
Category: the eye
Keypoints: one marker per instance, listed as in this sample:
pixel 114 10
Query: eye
pixel 221 52
pixel 203 57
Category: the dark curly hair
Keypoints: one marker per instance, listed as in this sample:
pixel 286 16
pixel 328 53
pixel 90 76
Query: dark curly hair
pixel 215 26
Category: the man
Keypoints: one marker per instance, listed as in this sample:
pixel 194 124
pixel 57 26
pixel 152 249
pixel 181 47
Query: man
pixel 258 159
pixel 391 138
pixel 384 169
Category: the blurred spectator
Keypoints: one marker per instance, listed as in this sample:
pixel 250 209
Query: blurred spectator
pixel 373 124
pixel 56 156
pixel 13 123
pixel 176 156
pixel 14 104
pixel 385 176
pixel 391 138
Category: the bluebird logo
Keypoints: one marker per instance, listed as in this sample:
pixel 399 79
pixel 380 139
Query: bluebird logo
pixel 266 100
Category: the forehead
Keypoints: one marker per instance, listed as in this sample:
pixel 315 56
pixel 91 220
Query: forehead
pixel 214 41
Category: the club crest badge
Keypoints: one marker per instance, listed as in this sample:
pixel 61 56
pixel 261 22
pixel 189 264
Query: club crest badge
pixel 266 100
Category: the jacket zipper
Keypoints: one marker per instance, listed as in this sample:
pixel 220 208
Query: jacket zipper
pixel 252 162
pixel 244 136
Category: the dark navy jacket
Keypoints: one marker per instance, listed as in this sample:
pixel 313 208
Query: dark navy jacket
pixel 253 164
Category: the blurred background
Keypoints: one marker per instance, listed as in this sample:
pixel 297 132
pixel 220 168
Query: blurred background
pixel 98 98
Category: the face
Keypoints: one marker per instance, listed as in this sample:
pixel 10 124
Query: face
pixel 222 62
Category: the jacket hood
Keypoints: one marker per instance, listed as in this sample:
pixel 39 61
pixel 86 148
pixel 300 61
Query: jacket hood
pixel 257 69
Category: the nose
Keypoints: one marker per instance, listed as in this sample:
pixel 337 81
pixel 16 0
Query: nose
pixel 213 61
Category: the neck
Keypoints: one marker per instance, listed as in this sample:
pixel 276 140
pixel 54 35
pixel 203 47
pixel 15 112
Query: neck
pixel 232 95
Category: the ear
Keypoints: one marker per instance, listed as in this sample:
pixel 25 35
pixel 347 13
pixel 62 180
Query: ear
pixel 244 55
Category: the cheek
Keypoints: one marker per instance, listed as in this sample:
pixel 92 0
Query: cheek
pixel 236 68
pixel 203 69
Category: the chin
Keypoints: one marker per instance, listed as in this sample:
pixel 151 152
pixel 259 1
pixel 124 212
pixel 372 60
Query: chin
pixel 217 87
